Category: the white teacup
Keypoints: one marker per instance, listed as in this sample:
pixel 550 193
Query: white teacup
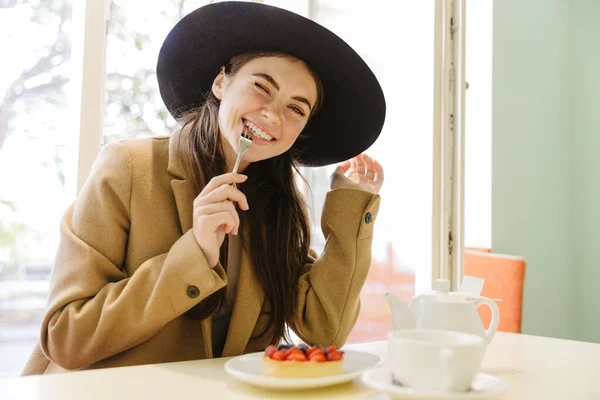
pixel 435 360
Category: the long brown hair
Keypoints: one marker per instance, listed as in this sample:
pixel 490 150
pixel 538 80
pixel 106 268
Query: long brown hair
pixel 278 232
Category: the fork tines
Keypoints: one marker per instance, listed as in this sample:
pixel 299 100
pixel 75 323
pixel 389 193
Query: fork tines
pixel 243 145
pixel 244 134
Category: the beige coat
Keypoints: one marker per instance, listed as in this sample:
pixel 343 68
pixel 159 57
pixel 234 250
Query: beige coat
pixel 128 268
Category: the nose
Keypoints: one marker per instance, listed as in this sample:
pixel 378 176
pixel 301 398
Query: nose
pixel 270 112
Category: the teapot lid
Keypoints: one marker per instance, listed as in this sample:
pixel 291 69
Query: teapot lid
pixel 442 285
pixel 442 293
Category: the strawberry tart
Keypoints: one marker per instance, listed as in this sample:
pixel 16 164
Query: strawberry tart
pixel 287 361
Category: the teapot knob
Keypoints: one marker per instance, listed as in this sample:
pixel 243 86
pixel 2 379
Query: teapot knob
pixel 442 285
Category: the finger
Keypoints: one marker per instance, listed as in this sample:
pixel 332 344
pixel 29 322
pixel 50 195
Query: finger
pixel 371 167
pixel 224 219
pixel 220 180
pixel 215 208
pixel 222 193
pixel 371 172
pixel 343 167
pixel 366 157
pixel 379 172
pixel 361 166
pixel 353 167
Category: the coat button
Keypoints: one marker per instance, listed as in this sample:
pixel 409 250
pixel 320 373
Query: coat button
pixel 368 218
pixel 193 292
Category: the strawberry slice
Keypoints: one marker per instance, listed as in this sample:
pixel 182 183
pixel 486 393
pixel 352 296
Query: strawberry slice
pixel 319 357
pixel 295 350
pixel 335 355
pixel 296 356
pixel 270 350
pixel 278 355
pixel 313 350
pixel 304 353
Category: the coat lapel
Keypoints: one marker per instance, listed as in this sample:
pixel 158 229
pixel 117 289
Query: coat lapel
pixel 249 298
pixel 183 189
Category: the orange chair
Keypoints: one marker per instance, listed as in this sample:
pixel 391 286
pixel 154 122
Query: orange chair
pixel 504 278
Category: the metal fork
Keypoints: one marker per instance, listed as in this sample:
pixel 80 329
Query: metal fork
pixel 243 146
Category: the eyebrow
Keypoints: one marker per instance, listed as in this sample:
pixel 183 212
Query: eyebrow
pixel 272 81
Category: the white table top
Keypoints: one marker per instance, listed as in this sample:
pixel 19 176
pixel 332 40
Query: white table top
pixel 535 368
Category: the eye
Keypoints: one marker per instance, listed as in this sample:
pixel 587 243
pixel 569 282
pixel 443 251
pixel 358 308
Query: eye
pixel 263 88
pixel 297 110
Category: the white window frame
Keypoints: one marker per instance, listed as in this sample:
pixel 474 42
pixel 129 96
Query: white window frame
pixel 93 94
pixel 448 127
pixel 449 155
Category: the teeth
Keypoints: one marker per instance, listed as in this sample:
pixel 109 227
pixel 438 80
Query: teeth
pixel 256 130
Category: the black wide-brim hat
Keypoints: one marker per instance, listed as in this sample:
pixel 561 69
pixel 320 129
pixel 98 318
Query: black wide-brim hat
pixel 353 111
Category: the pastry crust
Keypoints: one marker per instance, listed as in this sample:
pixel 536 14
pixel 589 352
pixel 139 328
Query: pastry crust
pixel 300 369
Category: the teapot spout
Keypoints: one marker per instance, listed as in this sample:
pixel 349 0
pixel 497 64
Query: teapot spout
pixel 402 316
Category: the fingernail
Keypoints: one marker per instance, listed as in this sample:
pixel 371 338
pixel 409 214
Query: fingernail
pixel 244 176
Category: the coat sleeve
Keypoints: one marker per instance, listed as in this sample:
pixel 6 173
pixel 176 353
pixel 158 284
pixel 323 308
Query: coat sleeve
pixel 95 309
pixel 329 288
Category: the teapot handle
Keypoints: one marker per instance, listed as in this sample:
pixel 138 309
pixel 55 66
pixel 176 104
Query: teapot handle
pixel 491 330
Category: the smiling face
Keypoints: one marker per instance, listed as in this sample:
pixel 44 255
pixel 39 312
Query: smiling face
pixel 271 99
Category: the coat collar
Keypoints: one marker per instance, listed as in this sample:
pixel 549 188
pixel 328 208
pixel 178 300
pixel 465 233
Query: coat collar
pixel 249 293
pixel 175 166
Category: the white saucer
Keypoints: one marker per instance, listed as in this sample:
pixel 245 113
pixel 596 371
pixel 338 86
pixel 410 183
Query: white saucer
pixel 248 368
pixel 484 386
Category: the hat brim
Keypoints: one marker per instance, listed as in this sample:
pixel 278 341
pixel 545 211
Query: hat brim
pixel 353 112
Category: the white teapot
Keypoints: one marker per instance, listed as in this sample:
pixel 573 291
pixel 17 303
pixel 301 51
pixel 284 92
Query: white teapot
pixel 445 310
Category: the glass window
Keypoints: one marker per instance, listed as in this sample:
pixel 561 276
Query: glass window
pixel 37 153
pixel 478 124
pixel 134 107
pixel 401 55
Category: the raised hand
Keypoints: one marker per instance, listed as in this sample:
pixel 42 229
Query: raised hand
pixel 215 213
pixel 360 172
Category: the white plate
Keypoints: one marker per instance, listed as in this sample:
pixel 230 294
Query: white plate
pixel 484 386
pixel 248 368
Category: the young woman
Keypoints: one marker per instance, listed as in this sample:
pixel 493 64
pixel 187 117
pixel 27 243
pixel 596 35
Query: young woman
pixel 169 255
